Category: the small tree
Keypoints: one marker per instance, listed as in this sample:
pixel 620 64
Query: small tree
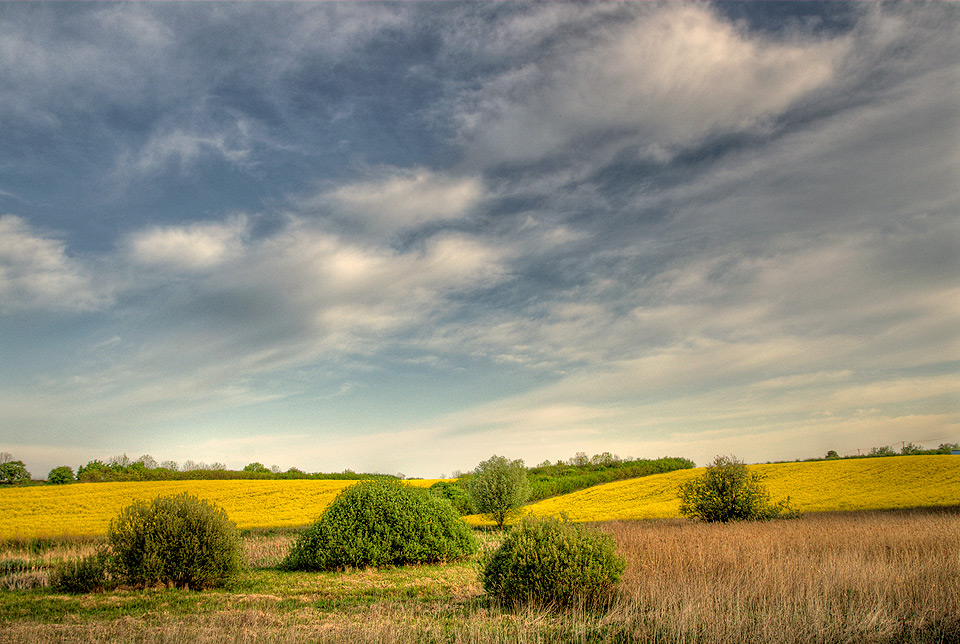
pixel 12 471
pixel 60 475
pixel 499 488
pixel 728 491
pixel 256 468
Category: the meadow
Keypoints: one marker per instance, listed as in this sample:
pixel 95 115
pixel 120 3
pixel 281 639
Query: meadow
pixel 875 559
pixel 890 576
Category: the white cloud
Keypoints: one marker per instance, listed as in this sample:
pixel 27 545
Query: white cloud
pixel 180 149
pixel 191 247
pixel 36 272
pixel 663 81
pixel 406 198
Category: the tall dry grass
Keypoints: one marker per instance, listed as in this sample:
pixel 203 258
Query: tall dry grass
pixel 865 577
pixel 875 577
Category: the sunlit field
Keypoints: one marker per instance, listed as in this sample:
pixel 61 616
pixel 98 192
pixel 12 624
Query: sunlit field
pixel 87 508
pixel 820 486
pixel 890 577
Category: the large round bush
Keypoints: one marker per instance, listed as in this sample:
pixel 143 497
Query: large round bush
pixel 382 523
pixel 180 540
pixel 552 562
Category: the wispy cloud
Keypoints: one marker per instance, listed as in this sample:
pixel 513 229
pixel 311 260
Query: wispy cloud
pixel 408 198
pixel 37 273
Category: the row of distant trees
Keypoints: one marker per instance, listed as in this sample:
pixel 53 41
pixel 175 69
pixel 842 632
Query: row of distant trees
pixel 907 449
pixel 146 468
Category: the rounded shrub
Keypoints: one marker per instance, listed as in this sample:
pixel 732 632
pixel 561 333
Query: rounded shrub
pixel 180 540
pixel 554 563
pixel 382 523
pixel 728 491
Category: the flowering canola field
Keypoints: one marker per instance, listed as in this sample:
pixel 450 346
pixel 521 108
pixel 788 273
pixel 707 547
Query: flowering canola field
pixel 86 508
pixel 856 484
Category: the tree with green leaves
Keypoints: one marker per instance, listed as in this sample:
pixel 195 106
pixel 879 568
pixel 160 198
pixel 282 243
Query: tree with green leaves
pixel 60 475
pixel 728 491
pixel 12 471
pixel 498 488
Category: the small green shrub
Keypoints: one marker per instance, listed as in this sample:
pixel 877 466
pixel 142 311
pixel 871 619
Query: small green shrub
pixel 83 575
pixel 728 491
pixel 179 540
pixel 382 523
pixel 553 563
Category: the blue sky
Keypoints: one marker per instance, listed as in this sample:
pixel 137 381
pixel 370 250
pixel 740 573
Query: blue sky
pixel 403 237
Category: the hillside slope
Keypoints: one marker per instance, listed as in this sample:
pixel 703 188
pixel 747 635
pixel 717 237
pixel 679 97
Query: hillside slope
pixel 855 484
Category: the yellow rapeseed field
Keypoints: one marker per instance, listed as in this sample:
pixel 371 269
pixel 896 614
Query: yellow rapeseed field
pixel 861 484
pixel 86 508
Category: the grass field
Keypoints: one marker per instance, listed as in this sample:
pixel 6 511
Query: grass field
pixel 871 577
pixel 86 508
pixel 820 486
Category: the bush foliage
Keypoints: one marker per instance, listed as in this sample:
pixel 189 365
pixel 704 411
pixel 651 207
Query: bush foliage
pixel 499 488
pixel 453 492
pixel 552 562
pixel 180 540
pixel 728 491
pixel 382 523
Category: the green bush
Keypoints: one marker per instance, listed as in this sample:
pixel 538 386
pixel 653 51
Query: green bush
pixel 83 575
pixel 453 492
pixel 60 475
pixel 553 563
pixel 382 523
pixel 728 491
pixel 179 540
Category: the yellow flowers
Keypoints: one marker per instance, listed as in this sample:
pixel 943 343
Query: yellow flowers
pixel 861 484
pixel 86 508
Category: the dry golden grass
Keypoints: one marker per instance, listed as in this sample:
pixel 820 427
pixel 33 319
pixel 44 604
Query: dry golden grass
pixel 867 577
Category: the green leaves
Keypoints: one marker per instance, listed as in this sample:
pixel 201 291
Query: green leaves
pixel 553 562
pixel 499 488
pixel 728 491
pixel 180 540
pixel 382 523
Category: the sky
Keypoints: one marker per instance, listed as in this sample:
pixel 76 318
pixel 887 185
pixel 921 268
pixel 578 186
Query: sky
pixel 403 237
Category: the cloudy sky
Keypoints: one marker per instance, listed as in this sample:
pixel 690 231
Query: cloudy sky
pixel 403 237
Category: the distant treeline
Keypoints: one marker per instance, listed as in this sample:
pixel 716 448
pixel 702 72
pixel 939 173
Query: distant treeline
pixel 907 449
pixel 563 477
pixel 146 468
pixel 581 472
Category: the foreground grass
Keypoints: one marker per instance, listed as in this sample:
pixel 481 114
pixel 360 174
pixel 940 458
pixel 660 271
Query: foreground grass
pixel 853 577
